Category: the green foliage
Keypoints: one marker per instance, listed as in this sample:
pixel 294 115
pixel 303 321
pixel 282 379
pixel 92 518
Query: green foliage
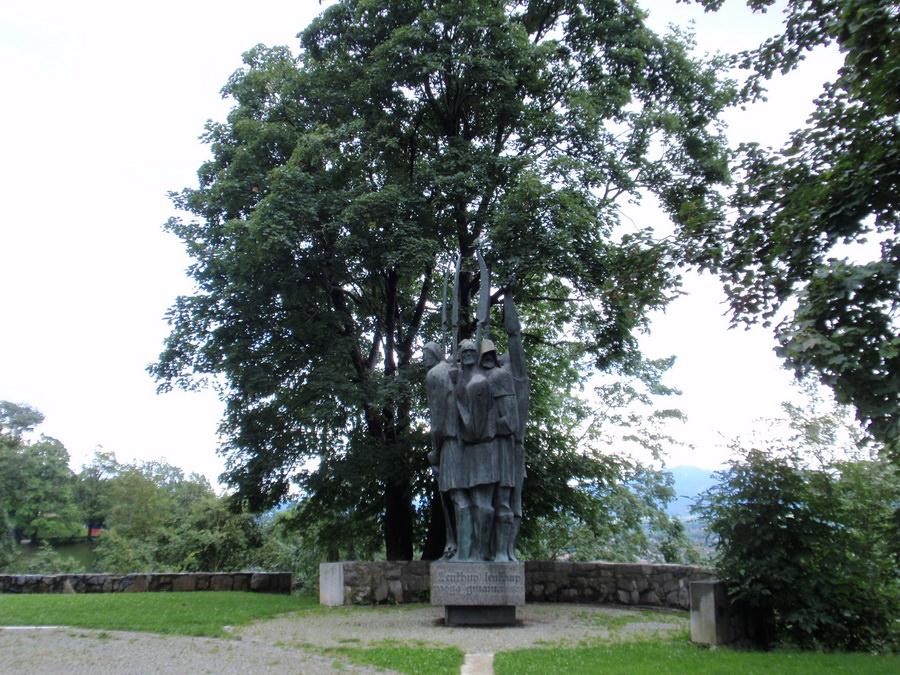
pixel 194 613
pixel 845 330
pixel 412 660
pixel 36 483
pixel 346 178
pixel 615 508
pixel 8 548
pixel 832 189
pixel 810 554
pixel 118 554
pixel 46 560
pixel 289 545
pixel 213 537
pixel 92 489
pixel 154 518
pixel 676 659
pixel 157 519
pixel 15 420
pixel 622 520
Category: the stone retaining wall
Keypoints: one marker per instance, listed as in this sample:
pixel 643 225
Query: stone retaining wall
pixel 368 583
pixel 363 583
pixel 263 582
pixel 614 583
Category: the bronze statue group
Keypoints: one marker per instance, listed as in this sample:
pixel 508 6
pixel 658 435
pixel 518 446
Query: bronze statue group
pixel 479 406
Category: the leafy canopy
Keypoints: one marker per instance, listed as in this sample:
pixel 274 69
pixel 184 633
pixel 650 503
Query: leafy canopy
pixel 347 178
pixel 817 221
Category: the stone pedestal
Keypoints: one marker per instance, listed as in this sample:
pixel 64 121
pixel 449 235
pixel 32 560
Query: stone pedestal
pixel 478 593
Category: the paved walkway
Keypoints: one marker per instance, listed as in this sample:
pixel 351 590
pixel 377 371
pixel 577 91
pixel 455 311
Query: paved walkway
pixel 478 664
pixel 296 643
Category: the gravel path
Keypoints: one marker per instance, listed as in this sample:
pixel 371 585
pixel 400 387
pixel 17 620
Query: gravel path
pixel 294 643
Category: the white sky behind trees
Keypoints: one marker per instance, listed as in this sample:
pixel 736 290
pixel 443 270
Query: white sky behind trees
pixel 103 103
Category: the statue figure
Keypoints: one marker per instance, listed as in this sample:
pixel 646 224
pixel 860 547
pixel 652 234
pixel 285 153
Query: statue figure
pixel 484 409
pixel 479 407
pixel 514 362
pixel 445 447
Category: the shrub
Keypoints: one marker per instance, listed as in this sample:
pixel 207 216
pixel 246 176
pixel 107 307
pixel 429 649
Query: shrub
pixel 809 554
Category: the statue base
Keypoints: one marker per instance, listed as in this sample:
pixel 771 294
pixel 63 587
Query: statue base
pixel 478 593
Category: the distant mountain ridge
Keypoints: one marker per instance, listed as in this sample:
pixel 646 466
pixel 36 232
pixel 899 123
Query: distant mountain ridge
pixel 690 481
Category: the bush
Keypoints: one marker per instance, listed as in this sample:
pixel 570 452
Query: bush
pixel 8 548
pixel 809 554
pixel 123 555
pixel 45 560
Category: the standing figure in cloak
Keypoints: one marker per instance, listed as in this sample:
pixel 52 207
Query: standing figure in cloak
pixel 514 362
pixel 480 466
pixel 506 425
pixel 445 455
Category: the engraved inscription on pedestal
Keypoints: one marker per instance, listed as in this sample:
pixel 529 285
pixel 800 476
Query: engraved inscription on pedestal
pixel 478 583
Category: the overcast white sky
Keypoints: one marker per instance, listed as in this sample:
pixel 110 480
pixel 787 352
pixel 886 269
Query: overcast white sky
pixel 103 103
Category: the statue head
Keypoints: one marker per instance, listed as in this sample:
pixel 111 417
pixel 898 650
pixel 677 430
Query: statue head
pixel 432 354
pixel 488 354
pixel 468 353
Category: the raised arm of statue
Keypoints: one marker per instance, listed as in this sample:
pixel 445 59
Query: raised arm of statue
pixel 514 331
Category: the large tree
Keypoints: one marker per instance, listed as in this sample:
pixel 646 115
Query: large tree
pixel 348 177
pixel 817 221
pixel 36 484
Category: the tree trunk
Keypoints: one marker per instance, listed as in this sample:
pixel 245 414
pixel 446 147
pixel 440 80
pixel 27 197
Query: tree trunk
pixel 437 529
pixel 398 521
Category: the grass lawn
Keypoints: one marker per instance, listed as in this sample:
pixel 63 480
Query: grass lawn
pixel 661 658
pixel 410 660
pixel 207 614
pixel 168 613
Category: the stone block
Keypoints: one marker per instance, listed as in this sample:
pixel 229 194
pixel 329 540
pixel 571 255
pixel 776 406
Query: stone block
pixel 395 591
pixel 161 582
pixel 184 582
pixel 331 584
pixel 650 598
pixel 634 570
pixel 712 620
pixel 220 582
pixel 137 583
pixel 477 583
pixel 380 591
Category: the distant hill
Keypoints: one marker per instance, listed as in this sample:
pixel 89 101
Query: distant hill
pixel 690 481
